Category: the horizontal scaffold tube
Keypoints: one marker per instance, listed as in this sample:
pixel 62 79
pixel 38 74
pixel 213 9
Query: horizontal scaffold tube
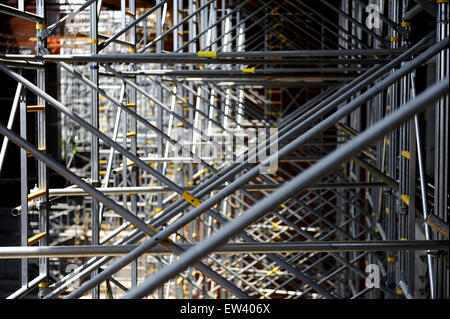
pixel 24 63
pixel 21 14
pixel 232 248
pixel 161 189
pixel 247 72
pixel 194 57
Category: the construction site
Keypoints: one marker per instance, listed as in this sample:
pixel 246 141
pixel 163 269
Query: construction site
pixel 224 149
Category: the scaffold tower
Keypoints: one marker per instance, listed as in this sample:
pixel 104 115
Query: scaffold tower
pixel 212 149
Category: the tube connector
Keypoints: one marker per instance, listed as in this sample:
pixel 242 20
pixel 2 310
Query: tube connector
pixel 207 54
pixel 194 201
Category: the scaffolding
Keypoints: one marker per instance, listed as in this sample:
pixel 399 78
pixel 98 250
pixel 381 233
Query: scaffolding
pixel 234 149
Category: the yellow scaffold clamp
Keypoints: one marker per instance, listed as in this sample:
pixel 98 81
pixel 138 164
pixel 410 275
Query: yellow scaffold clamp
pixel 34 239
pixel 44 284
pixel 248 70
pixel 391 259
pixel 405 199
pixel 274 271
pixel 194 201
pixel 207 54
pixel 405 24
pixel 394 39
pixel 36 194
